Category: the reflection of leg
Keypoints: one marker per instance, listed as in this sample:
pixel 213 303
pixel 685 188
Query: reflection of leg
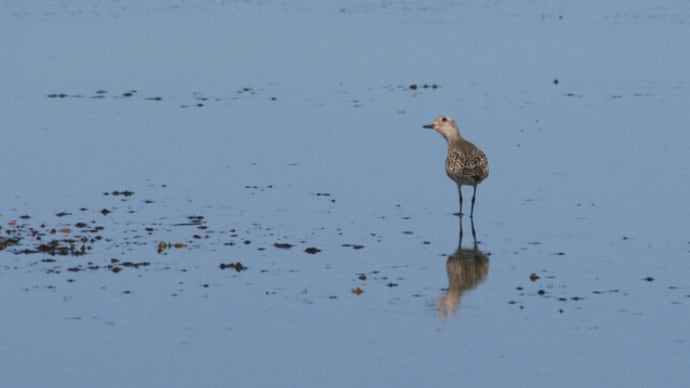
pixel 460 195
pixel 460 237
pixel 474 233
pixel 474 193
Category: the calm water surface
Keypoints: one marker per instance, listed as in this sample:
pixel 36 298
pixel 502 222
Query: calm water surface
pixel 241 193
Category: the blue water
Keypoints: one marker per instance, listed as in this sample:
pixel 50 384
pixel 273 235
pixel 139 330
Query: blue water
pixel 294 123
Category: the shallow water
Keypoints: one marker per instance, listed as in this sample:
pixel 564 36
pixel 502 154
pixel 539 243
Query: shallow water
pixel 149 149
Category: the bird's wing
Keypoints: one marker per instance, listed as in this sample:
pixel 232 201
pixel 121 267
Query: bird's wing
pixel 475 164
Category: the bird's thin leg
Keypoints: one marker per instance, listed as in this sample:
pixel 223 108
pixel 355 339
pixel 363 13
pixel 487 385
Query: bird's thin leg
pixel 474 234
pixel 460 195
pixel 474 193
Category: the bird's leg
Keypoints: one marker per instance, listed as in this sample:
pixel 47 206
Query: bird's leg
pixel 474 193
pixel 460 195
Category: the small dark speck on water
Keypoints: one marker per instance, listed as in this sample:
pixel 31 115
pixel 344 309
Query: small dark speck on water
pixel 236 266
pixel 312 250
pixel 541 292
pixel 125 193
pixel 283 245
pixel 649 279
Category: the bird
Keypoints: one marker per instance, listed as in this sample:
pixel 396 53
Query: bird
pixel 465 164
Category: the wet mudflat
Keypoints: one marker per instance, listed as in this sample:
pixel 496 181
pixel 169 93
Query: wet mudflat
pixel 224 193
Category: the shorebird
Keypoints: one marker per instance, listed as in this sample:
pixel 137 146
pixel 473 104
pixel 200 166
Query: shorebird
pixel 466 164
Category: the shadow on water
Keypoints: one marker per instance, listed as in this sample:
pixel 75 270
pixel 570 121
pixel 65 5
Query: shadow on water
pixel 466 269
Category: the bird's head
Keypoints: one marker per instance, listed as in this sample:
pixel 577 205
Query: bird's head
pixel 446 126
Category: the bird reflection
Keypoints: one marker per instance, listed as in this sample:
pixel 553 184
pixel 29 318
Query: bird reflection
pixel 466 269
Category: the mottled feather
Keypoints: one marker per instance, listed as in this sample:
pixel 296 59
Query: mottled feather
pixel 466 164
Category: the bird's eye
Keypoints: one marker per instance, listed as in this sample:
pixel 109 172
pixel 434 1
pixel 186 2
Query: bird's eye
pixel 444 119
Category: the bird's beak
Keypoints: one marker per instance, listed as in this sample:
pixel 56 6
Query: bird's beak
pixel 429 126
